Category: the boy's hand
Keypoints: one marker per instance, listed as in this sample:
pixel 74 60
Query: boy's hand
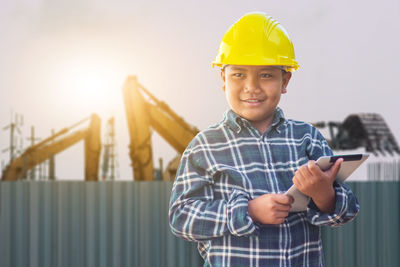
pixel 270 208
pixel 318 184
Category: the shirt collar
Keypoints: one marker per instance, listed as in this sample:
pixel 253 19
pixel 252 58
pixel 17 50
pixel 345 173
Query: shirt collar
pixel 237 123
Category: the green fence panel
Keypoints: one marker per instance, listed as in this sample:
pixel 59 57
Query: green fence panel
pixel 65 223
pixel 90 224
pixel 373 238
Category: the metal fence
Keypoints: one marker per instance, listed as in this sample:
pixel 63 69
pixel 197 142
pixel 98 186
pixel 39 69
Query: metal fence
pixel 126 224
pixel 89 224
pixel 373 238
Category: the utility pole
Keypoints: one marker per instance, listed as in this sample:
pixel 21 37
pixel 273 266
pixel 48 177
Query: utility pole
pixel 109 166
pixel 112 148
pixel 14 126
pixel 32 139
pixel 52 171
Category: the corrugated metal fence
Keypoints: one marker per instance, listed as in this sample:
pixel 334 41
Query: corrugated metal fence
pixel 89 224
pixel 126 224
pixel 373 238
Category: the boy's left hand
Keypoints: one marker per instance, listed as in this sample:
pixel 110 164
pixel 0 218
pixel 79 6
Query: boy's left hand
pixel 318 184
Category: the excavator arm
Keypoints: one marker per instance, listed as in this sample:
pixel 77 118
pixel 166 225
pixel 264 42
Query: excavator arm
pixel 144 111
pixel 176 132
pixel 38 153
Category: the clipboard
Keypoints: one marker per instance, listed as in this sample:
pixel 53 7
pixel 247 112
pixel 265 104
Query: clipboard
pixel 350 163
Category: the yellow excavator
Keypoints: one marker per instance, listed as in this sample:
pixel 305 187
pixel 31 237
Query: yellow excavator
pixel 56 143
pixel 143 112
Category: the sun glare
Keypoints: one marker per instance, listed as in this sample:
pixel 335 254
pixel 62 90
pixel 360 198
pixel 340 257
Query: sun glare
pixel 88 86
pixel 91 86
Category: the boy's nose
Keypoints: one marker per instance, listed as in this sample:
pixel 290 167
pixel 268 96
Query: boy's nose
pixel 251 86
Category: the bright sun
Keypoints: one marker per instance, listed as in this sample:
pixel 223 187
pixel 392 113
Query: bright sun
pixel 88 86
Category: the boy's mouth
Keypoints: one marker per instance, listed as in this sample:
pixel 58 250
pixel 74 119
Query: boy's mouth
pixel 252 100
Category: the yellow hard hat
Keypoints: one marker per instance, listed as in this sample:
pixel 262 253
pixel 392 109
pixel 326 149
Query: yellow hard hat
pixel 256 39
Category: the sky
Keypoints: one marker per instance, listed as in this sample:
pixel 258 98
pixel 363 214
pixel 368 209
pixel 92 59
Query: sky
pixel 61 61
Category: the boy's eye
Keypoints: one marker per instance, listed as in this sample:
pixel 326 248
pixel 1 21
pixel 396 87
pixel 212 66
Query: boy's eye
pixel 239 75
pixel 266 75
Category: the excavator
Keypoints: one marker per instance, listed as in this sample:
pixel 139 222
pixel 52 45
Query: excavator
pixel 144 112
pixel 367 130
pixel 36 154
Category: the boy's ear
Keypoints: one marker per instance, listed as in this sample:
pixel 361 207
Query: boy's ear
pixel 285 81
pixel 222 73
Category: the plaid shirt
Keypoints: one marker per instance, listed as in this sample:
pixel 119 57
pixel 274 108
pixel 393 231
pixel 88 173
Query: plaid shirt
pixel 231 163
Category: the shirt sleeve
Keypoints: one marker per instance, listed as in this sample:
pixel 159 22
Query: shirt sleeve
pixel 346 205
pixel 346 208
pixel 194 213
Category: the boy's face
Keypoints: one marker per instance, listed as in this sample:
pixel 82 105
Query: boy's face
pixel 253 92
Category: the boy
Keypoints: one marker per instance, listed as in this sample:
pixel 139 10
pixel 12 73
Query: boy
pixel 229 190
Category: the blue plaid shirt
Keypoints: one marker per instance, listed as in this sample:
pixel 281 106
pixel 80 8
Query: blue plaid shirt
pixel 231 163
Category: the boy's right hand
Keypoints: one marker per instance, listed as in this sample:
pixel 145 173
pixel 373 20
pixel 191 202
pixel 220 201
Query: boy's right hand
pixel 270 208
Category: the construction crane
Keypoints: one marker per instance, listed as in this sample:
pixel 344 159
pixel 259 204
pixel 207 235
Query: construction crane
pixel 143 112
pixel 56 143
pixel 367 130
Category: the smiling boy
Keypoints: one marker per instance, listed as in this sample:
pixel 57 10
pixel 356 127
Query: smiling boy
pixel 254 92
pixel 229 190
